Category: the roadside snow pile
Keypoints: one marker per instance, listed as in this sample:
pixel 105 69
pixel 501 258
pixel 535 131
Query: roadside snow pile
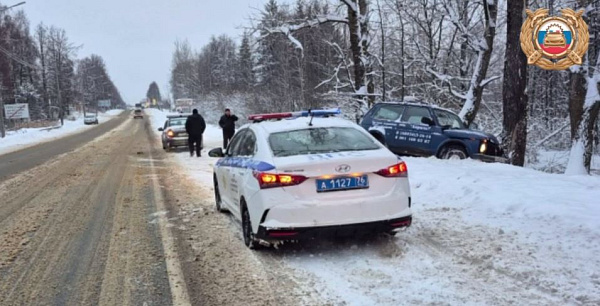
pixel 16 140
pixel 483 234
pixel 507 196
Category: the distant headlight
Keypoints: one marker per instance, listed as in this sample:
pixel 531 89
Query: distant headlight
pixel 483 146
pixel 170 133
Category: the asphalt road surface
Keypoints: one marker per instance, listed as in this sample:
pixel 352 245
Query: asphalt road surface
pixel 19 161
pixel 79 222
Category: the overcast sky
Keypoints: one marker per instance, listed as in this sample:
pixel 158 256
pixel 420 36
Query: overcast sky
pixel 136 37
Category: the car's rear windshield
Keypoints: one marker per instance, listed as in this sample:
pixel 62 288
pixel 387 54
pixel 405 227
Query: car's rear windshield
pixel 320 140
pixel 178 121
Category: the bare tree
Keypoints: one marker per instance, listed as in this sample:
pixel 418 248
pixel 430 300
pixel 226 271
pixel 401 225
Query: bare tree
pixel 584 100
pixel 514 98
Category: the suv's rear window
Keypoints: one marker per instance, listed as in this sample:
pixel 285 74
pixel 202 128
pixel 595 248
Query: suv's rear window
pixel 320 140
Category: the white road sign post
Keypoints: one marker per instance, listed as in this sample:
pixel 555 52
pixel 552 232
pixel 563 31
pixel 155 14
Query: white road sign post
pixel 16 111
pixel 104 103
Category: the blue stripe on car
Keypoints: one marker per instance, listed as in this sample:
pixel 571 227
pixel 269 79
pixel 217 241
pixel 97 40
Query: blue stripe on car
pixel 246 163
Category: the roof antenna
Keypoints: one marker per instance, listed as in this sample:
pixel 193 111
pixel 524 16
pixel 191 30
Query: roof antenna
pixel 312 116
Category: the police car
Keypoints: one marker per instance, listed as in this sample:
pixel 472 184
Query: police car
pixel 424 130
pixel 291 176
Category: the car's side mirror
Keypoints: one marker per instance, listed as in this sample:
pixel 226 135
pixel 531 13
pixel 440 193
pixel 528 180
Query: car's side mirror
pixel 161 129
pixel 216 152
pixel 427 121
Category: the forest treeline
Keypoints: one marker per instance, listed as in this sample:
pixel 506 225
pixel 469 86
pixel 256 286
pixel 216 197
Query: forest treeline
pixel 459 54
pixel 39 66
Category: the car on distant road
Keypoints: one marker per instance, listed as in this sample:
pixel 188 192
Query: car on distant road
pixel 417 129
pixel 173 132
pixel 90 119
pixel 293 179
pixel 137 113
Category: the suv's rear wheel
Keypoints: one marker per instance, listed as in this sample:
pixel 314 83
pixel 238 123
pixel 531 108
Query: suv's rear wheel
pixel 249 239
pixel 454 152
pixel 379 137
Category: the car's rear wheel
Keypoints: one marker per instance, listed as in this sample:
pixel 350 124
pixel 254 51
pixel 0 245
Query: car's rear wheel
pixel 454 152
pixel 218 200
pixel 249 239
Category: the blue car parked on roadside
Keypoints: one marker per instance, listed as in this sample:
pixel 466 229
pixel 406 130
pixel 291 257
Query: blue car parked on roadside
pixel 424 130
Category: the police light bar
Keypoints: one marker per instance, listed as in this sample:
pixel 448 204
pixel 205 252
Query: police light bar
pixel 308 113
pixel 259 117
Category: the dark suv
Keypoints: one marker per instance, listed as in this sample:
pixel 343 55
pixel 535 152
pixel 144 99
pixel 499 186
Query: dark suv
pixel 425 130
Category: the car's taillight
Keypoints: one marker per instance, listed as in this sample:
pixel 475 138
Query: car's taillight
pixel 397 170
pixel 170 133
pixel 269 180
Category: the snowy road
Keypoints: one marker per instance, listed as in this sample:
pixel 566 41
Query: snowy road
pixel 83 228
pixel 36 154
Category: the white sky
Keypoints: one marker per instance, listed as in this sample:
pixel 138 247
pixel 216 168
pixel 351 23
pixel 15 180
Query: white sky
pixel 136 37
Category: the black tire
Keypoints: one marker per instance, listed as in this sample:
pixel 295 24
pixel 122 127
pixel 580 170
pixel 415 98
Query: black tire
pixel 218 201
pixel 249 239
pixel 454 152
pixel 379 138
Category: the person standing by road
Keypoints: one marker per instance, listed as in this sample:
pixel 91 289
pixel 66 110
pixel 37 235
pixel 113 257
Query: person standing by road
pixel 195 126
pixel 227 123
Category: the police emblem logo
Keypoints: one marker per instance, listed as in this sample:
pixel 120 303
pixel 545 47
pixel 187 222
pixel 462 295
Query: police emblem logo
pixel 554 43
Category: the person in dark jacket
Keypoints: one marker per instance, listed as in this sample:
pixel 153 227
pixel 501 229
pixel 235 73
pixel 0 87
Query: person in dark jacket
pixel 195 126
pixel 227 123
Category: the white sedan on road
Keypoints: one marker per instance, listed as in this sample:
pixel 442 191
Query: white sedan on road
pixel 298 178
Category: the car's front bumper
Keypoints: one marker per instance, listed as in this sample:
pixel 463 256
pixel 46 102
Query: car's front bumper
pixel 346 230
pixel 177 142
pixel 490 158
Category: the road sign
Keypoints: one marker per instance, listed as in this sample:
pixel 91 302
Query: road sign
pixel 16 111
pixel 104 103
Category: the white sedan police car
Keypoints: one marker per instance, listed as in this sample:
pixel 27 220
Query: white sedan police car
pixel 296 178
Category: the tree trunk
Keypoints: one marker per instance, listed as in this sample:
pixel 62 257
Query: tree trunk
pixel 475 92
pixel 576 100
pixel 514 97
pixel 580 158
pixel 359 44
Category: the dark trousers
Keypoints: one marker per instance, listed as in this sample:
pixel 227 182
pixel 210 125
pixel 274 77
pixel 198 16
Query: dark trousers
pixel 195 139
pixel 227 135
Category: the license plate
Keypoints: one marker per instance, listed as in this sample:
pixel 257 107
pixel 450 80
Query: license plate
pixel 343 183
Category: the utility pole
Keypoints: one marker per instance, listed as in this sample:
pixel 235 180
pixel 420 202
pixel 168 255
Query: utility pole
pixel 2 129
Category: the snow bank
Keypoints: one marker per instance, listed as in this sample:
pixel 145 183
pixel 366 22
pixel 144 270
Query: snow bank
pixel 504 195
pixel 23 138
pixel 483 234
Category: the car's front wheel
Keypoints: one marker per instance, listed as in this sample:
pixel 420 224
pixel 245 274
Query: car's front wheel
pixel 454 152
pixel 218 201
pixel 249 239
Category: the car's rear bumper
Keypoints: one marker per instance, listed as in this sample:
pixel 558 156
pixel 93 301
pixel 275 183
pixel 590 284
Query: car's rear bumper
pixel 346 230
pixel 490 158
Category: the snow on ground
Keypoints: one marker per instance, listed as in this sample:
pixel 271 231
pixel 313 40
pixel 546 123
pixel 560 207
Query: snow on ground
pixel 483 234
pixel 556 161
pixel 23 138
